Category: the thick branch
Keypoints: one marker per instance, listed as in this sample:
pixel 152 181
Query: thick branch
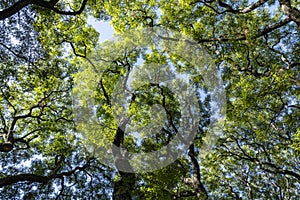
pixel 277 169
pixel 15 8
pixel 242 11
pixel 273 27
pixel 196 170
pixel 9 180
pixel 229 8
pixel 253 6
pixel 104 93
pixel 237 38
pixel 124 186
pixel 23 177
pixel 292 12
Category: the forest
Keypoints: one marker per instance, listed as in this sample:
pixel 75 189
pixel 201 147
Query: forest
pixel 191 99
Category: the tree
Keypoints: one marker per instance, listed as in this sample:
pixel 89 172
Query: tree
pixel 253 43
pixel 42 157
pixel 118 86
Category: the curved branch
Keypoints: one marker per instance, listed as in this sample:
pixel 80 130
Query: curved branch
pixel 227 6
pixel 241 37
pixel 230 9
pixel 9 180
pixel 242 11
pixel 15 8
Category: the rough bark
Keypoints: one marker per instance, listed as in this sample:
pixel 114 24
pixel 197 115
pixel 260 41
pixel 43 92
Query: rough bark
pixel 122 188
pixel 292 12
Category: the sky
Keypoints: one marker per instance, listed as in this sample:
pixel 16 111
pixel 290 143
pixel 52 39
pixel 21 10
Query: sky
pixel 103 27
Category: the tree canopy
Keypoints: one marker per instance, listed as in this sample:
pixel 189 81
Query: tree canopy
pixel 76 115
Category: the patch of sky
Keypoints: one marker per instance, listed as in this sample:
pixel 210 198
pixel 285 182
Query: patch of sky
pixel 103 27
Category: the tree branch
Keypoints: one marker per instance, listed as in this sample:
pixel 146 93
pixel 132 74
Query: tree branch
pixel 196 170
pixel 15 8
pixel 9 180
pixel 273 27
pixel 237 38
pixel 253 6
pixel 292 12
pixel 228 7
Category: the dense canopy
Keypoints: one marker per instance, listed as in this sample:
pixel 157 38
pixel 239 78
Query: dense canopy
pixel 55 75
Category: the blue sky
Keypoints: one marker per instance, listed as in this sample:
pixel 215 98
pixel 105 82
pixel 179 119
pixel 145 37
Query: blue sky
pixel 103 27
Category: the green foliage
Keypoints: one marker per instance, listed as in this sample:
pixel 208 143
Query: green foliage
pixel 44 54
